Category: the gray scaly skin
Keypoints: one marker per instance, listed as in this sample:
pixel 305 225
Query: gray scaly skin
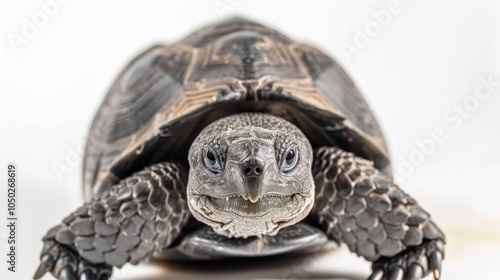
pixel 354 202
pixel 250 175
pixel 357 205
pixel 250 192
pixel 139 215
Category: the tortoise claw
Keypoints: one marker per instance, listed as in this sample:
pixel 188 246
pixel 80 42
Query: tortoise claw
pixel 67 273
pixel 395 273
pixel 412 264
pixel 415 272
pixel 377 274
pixel 437 274
pixel 40 271
pixel 46 264
pixel 87 275
pixel 65 264
pixel 435 259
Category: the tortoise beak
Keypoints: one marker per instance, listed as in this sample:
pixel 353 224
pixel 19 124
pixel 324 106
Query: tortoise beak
pixel 251 157
pixel 252 171
pixel 253 187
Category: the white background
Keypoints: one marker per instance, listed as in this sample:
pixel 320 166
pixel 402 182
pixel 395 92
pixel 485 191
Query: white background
pixel 430 56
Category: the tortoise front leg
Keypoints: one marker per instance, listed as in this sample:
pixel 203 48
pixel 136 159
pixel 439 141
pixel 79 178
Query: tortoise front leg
pixel 142 213
pixel 356 204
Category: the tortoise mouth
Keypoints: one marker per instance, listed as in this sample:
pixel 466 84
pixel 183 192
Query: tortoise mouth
pixel 244 207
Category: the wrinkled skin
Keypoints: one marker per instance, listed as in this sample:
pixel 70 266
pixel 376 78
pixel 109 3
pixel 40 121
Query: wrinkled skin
pixel 242 183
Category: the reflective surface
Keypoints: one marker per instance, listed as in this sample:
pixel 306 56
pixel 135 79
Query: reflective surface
pixel 206 244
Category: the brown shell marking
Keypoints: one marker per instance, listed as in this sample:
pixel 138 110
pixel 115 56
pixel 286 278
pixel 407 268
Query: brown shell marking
pixel 234 62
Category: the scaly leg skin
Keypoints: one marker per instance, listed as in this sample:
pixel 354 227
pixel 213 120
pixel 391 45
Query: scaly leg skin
pixel 356 204
pixel 142 213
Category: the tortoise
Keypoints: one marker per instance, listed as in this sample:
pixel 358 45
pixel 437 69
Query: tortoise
pixel 238 142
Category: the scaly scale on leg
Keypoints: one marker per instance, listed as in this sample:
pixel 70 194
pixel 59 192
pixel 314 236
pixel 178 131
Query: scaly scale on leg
pixel 361 207
pixel 137 216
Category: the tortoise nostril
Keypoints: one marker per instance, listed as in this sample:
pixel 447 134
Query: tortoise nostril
pixel 252 170
pixel 248 170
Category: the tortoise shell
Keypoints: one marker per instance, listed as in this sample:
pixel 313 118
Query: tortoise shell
pixel 168 94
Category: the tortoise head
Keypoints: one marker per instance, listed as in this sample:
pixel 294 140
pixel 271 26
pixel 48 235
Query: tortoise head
pixel 250 175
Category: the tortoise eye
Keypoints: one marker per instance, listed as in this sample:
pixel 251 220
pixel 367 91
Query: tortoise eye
pixel 212 161
pixel 290 159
